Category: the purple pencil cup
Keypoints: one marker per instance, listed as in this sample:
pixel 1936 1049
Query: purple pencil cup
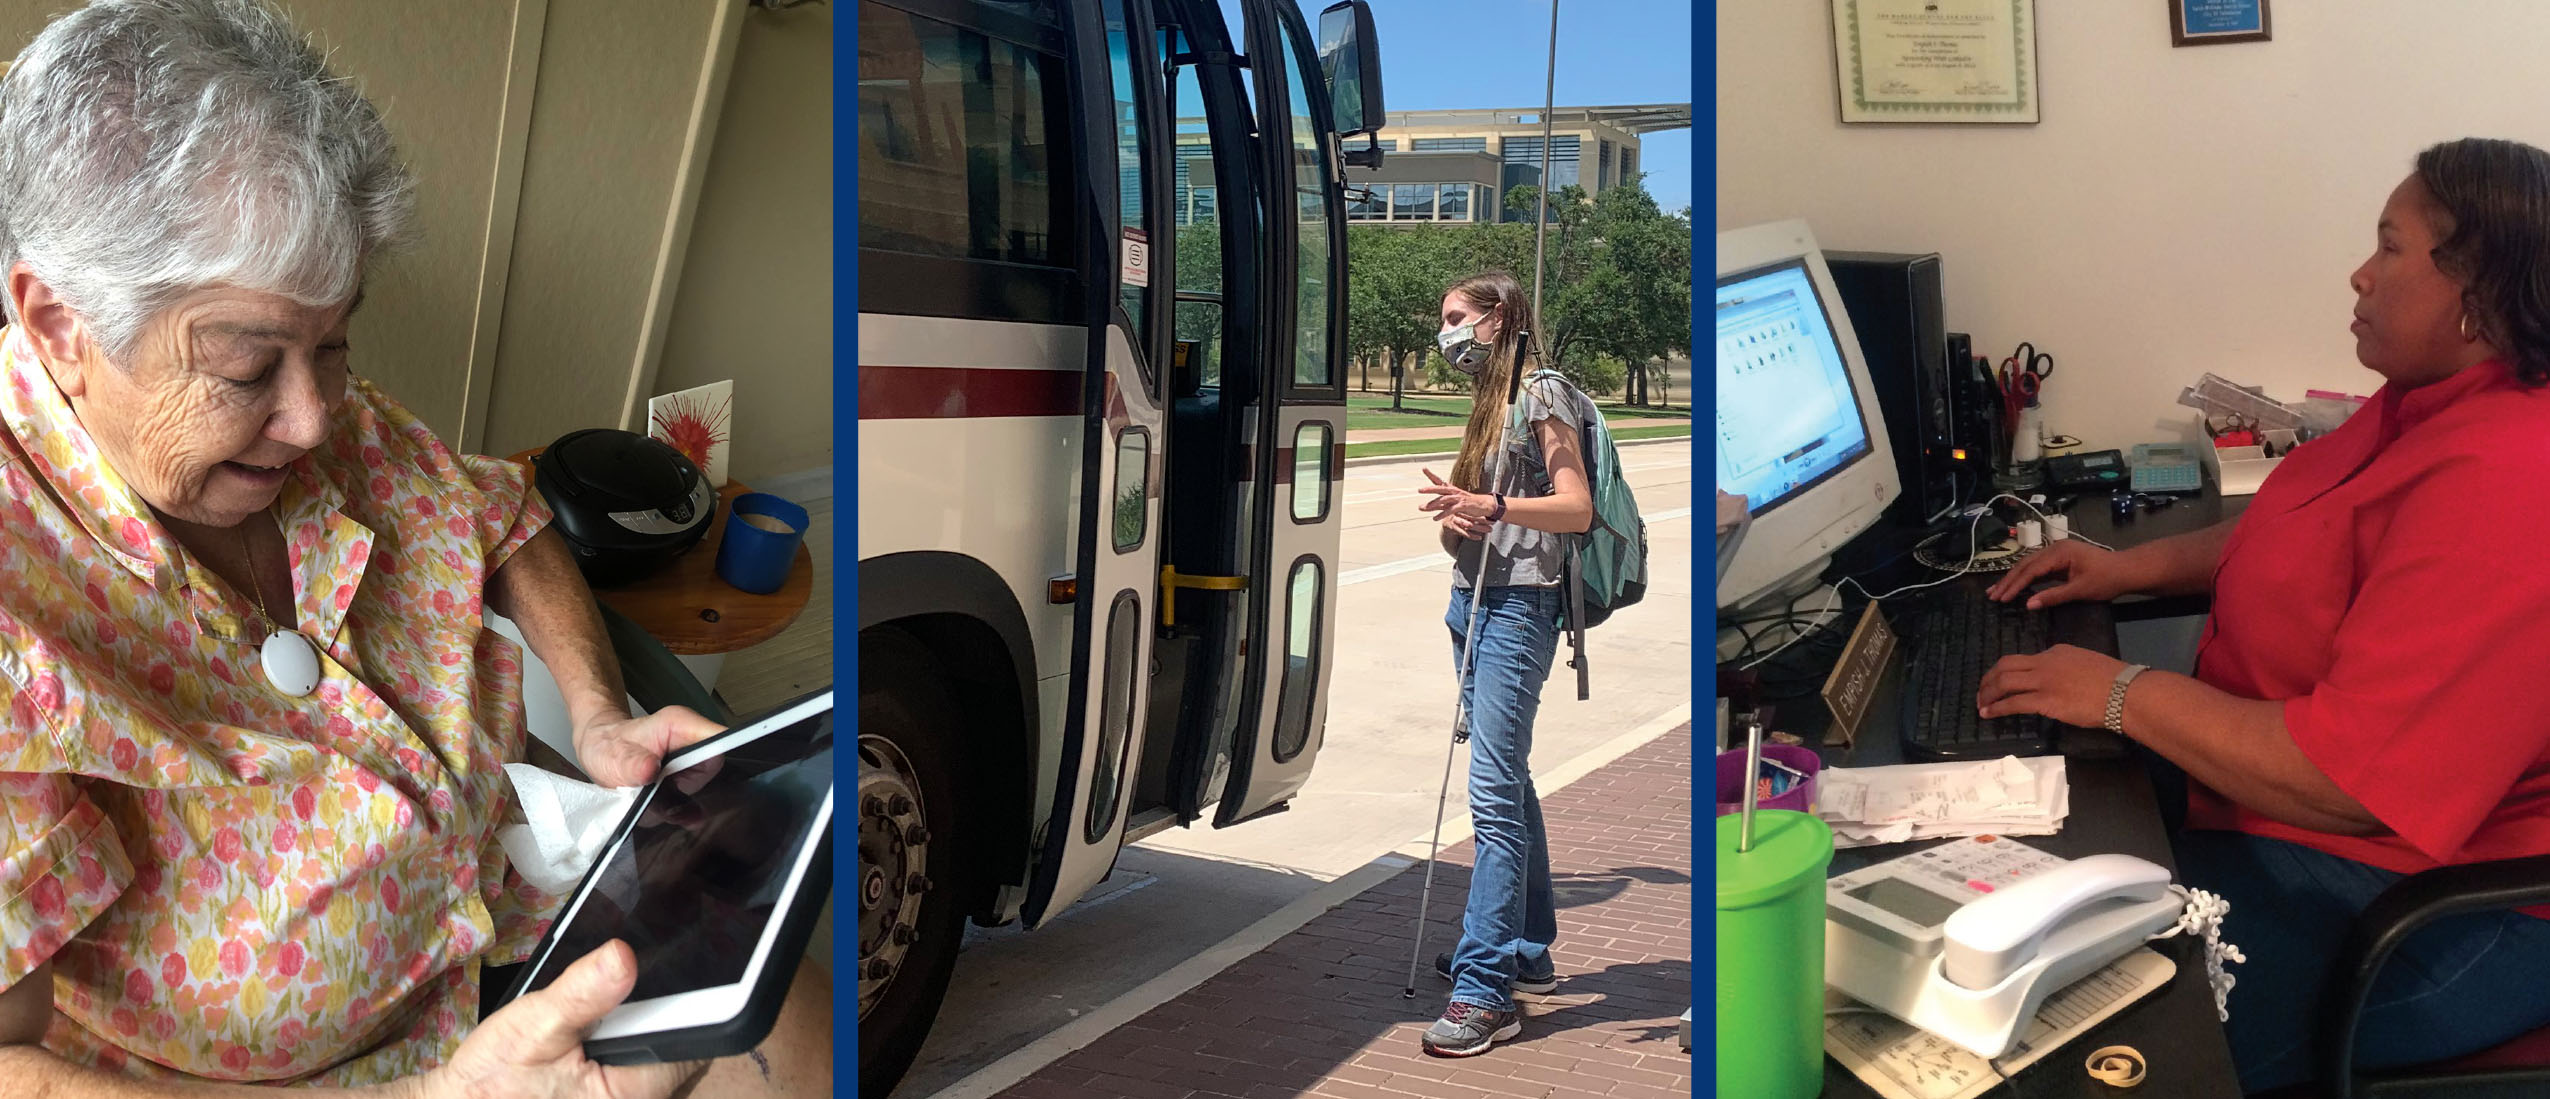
pixel 1800 797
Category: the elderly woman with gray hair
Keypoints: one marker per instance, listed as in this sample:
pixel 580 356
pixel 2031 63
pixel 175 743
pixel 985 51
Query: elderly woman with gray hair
pixel 252 733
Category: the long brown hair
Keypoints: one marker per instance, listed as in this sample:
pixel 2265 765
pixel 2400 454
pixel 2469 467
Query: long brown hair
pixel 1499 295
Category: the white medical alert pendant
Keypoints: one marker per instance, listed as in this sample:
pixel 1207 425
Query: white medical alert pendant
pixel 292 665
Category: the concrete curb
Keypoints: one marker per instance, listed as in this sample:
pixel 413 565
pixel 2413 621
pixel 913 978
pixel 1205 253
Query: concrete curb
pixel 1380 459
pixel 991 1079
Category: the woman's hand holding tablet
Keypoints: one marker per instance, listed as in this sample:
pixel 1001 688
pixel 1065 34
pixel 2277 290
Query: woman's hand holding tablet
pixel 534 1046
pixel 713 886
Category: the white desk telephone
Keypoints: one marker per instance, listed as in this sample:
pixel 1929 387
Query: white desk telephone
pixel 1967 939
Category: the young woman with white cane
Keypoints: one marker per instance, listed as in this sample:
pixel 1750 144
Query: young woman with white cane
pixel 1518 491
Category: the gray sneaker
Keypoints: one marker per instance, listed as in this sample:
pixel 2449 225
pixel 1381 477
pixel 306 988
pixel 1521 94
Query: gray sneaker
pixel 1528 986
pixel 1467 1030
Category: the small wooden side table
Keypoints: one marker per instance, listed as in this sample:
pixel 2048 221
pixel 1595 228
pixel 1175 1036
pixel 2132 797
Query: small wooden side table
pixel 698 616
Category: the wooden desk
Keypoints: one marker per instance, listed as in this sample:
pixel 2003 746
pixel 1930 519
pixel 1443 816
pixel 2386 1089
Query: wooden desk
pixel 693 612
pixel 2113 808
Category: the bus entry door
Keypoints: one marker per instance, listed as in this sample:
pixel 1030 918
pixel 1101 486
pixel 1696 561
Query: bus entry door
pixel 1299 453
pixel 1118 558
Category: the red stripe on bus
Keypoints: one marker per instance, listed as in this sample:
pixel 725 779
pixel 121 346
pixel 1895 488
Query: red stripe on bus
pixel 969 393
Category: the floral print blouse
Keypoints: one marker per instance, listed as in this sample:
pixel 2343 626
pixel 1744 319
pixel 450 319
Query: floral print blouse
pixel 232 883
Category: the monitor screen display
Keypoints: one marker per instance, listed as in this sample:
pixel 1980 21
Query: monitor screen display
pixel 1787 417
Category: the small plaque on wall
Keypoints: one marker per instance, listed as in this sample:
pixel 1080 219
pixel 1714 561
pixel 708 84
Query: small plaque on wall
pixel 1936 60
pixel 2211 22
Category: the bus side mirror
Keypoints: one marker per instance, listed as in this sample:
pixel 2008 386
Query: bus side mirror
pixel 1350 60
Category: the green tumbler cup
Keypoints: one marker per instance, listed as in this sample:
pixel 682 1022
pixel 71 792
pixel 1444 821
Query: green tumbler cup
pixel 1771 955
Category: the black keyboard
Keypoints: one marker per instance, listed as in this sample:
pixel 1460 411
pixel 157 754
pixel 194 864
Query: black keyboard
pixel 1955 635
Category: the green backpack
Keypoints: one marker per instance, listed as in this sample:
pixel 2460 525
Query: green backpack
pixel 1606 565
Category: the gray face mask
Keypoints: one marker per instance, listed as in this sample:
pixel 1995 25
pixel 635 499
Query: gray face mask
pixel 1462 348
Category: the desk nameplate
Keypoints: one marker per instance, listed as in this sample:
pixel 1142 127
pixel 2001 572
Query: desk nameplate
pixel 1853 684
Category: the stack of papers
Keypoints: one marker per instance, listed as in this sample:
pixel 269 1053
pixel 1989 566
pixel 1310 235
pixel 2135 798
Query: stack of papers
pixel 2009 796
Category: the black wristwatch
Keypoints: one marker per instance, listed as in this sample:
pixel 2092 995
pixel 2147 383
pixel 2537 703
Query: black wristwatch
pixel 1499 513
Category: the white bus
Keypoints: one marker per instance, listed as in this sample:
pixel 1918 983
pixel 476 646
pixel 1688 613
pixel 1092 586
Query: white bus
pixel 1101 424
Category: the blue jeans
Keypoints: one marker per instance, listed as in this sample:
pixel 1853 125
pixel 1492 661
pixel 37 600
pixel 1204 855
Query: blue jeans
pixel 1512 917
pixel 2458 986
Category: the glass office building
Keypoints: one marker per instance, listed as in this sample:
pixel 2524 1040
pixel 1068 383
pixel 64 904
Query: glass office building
pixel 1458 165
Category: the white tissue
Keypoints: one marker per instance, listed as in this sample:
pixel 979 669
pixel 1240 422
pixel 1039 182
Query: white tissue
pixel 566 824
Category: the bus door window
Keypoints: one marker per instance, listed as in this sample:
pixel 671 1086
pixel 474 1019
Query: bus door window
pixel 1314 293
pixel 1136 167
pixel 1196 215
pixel 1305 600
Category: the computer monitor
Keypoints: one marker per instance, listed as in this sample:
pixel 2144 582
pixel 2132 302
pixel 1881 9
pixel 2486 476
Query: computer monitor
pixel 1799 434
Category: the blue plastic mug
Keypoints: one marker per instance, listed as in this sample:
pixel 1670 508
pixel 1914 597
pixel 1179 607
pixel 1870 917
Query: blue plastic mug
pixel 752 557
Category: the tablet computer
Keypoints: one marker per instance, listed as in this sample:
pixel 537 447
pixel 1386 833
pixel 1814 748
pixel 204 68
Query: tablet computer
pixel 715 880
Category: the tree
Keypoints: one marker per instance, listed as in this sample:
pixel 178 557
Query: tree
pixel 1635 304
pixel 1395 277
pixel 1618 291
pixel 1617 280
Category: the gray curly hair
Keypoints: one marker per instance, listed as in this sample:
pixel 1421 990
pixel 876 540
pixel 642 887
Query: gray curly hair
pixel 151 148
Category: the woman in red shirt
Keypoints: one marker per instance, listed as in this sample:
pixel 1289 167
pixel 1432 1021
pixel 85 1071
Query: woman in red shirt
pixel 2363 706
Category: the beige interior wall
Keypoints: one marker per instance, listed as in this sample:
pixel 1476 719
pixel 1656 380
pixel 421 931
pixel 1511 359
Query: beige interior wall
pixel 437 74
pixel 559 147
pixel 2179 210
pixel 611 134
pixel 755 298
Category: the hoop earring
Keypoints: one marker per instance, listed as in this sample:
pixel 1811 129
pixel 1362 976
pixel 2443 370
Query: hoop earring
pixel 2466 331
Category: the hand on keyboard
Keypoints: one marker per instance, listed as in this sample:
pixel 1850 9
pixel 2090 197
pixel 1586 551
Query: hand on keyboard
pixel 1953 635
pixel 2066 683
pixel 2082 572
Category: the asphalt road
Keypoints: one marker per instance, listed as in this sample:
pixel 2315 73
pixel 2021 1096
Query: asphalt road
pixel 1380 765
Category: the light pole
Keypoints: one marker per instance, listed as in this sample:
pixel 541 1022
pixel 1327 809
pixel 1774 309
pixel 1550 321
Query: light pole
pixel 1540 217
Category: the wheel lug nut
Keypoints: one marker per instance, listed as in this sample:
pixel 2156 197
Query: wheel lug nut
pixel 916 835
pixel 899 805
pixel 917 883
pixel 880 969
pixel 872 805
pixel 903 936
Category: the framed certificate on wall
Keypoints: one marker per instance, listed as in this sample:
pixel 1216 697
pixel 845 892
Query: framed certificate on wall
pixel 1936 60
pixel 2206 22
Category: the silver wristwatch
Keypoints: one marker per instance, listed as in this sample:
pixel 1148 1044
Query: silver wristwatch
pixel 2116 697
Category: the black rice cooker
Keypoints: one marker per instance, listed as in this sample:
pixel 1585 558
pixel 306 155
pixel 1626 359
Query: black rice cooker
pixel 624 502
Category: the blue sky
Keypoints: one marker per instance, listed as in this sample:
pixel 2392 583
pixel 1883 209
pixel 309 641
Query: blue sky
pixel 1493 53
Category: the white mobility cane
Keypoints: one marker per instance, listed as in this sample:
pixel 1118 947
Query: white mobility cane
pixel 1461 689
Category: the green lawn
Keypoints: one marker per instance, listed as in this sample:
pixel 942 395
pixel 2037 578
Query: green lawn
pixel 1452 443
pixel 1371 412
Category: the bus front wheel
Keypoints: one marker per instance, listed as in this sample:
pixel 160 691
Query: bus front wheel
pixel 909 918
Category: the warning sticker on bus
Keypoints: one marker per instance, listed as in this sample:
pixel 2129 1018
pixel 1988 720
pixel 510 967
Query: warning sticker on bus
pixel 1137 258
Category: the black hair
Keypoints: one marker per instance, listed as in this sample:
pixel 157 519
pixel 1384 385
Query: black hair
pixel 2496 194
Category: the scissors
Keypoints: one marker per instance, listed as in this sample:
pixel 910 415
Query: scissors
pixel 2023 377
pixel 2028 368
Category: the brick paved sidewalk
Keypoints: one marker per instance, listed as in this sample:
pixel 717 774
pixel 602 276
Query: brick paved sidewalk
pixel 1319 1013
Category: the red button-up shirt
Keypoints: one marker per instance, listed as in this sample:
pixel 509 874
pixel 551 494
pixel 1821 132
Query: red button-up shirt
pixel 2390 584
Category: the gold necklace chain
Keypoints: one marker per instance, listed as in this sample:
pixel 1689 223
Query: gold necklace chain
pixel 256 586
